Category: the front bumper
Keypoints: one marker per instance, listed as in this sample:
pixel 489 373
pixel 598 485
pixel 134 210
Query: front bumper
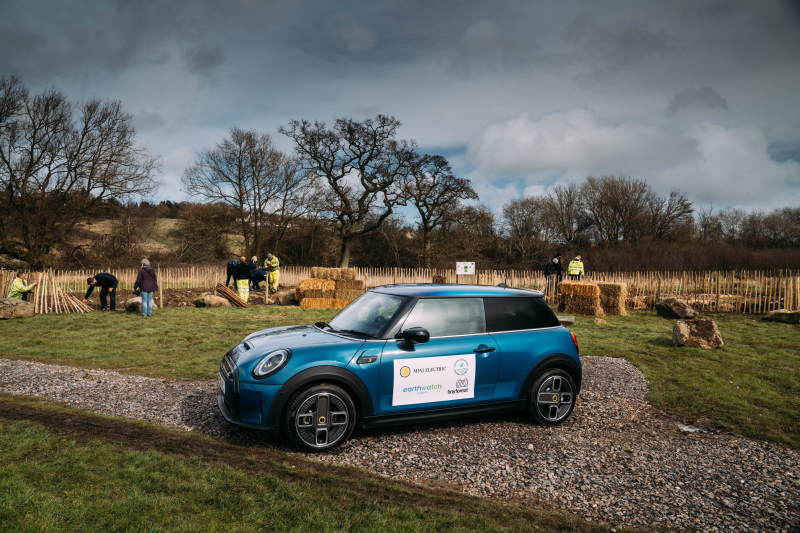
pixel 244 403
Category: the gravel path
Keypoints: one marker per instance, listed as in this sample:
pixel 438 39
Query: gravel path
pixel 616 459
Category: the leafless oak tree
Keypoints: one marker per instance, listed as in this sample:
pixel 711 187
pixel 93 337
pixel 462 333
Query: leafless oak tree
pixel 58 162
pixel 246 172
pixel 437 194
pixel 365 168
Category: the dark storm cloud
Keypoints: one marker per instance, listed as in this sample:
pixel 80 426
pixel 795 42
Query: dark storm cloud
pixel 696 99
pixel 457 73
pixel 204 59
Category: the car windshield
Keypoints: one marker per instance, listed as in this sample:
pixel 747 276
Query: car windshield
pixel 369 315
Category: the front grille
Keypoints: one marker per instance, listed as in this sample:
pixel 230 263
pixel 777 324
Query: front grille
pixel 229 372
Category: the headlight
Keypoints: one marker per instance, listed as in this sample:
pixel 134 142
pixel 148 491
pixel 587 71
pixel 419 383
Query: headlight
pixel 271 363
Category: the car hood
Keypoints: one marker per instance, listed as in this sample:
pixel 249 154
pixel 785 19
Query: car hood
pixel 293 337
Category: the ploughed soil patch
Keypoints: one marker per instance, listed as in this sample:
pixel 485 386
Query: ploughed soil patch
pixel 339 480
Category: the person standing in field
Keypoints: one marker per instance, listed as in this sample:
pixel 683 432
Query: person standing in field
pixel 231 268
pixel 575 268
pixel 553 273
pixel 242 275
pixel 273 267
pixel 147 283
pixel 108 289
pixel 20 289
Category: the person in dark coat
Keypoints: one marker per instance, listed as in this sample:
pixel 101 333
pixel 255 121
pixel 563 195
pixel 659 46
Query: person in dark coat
pixel 242 274
pixel 108 289
pixel 553 273
pixel 231 269
pixel 147 283
pixel 256 277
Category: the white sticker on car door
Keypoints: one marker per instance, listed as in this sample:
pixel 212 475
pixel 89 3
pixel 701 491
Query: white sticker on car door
pixel 433 379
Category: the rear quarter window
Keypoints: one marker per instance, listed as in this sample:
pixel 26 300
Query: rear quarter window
pixel 511 314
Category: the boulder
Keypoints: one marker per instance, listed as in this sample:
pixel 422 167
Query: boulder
pixel 784 315
pixel 134 305
pixel 14 308
pixel 211 300
pixel 674 308
pixel 702 332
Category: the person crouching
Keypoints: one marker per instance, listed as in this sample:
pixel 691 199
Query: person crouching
pixel 108 289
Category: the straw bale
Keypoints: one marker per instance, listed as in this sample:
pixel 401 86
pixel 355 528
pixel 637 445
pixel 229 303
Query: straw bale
pixel 333 273
pixel 348 294
pixel 573 288
pixel 349 284
pixel 323 303
pixel 314 293
pixel 315 283
pixel 613 297
pixel 580 299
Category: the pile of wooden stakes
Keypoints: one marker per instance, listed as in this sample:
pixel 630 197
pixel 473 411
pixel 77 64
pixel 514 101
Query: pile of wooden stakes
pixel 230 295
pixel 48 297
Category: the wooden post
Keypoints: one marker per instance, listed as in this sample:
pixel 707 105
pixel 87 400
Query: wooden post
pixel 160 287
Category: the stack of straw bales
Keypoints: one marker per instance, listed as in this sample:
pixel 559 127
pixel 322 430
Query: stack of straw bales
pixel 329 288
pixel 580 299
pixel 613 297
pixel 438 278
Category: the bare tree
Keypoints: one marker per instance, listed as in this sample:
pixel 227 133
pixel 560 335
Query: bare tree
pixel 617 207
pixel 564 214
pixel 247 173
pixel 668 215
pixel 437 194
pixel 526 226
pixel 56 166
pixel 365 167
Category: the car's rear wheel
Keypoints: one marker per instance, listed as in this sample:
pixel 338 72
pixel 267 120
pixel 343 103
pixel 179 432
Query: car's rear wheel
pixel 320 417
pixel 552 397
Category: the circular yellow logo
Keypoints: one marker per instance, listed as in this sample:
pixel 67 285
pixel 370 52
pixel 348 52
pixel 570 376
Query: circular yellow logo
pixel 555 397
pixel 405 372
pixel 321 420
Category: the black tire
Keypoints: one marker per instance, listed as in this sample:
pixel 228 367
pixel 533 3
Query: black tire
pixel 552 397
pixel 311 431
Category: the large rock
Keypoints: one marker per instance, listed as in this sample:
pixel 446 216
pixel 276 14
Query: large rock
pixel 14 308
pixel 134 305
pixel 674 308
pixel 784 315
pixel 211 300
pixel 702 332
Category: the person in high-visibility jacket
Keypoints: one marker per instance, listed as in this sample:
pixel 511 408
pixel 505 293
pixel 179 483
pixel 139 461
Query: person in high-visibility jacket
pixel 575 268
pixel 241 274
pixel 273 266
pixel 20 289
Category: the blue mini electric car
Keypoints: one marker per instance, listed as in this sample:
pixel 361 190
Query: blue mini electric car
pixel 403 354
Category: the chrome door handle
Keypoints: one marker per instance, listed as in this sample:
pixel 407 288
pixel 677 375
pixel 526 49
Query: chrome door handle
pixel 484 349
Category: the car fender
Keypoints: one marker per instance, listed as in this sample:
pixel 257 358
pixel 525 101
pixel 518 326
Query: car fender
pixel 558 360
pixel 322 373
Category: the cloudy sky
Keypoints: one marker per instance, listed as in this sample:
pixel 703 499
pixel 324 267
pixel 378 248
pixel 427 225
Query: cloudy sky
pixel 700 96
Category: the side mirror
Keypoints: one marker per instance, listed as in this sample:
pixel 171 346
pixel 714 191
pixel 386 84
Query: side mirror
pixel 416 335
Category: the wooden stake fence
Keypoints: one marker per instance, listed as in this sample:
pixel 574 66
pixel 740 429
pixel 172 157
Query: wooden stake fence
pixel 739 291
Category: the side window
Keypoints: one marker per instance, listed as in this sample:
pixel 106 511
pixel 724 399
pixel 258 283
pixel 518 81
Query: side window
pixel 510 314
pixel 448 316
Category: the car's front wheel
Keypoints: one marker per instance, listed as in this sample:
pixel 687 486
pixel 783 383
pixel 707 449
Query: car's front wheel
pixel 552 397
pixel 320 417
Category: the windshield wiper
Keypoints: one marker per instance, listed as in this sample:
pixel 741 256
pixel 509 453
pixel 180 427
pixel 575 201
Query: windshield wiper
pixel 355 332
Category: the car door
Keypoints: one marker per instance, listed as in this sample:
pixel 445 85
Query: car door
pixel 458 366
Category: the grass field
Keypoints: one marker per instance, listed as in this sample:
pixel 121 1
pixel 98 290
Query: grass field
pixel 64 470
pixel 751 386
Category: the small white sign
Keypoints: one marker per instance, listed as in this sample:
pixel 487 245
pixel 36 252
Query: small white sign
pixel 465 268
pixel 433 379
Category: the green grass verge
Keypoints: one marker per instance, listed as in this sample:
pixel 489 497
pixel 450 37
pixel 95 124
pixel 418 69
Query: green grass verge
pixel 751 386
pixel 57 477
